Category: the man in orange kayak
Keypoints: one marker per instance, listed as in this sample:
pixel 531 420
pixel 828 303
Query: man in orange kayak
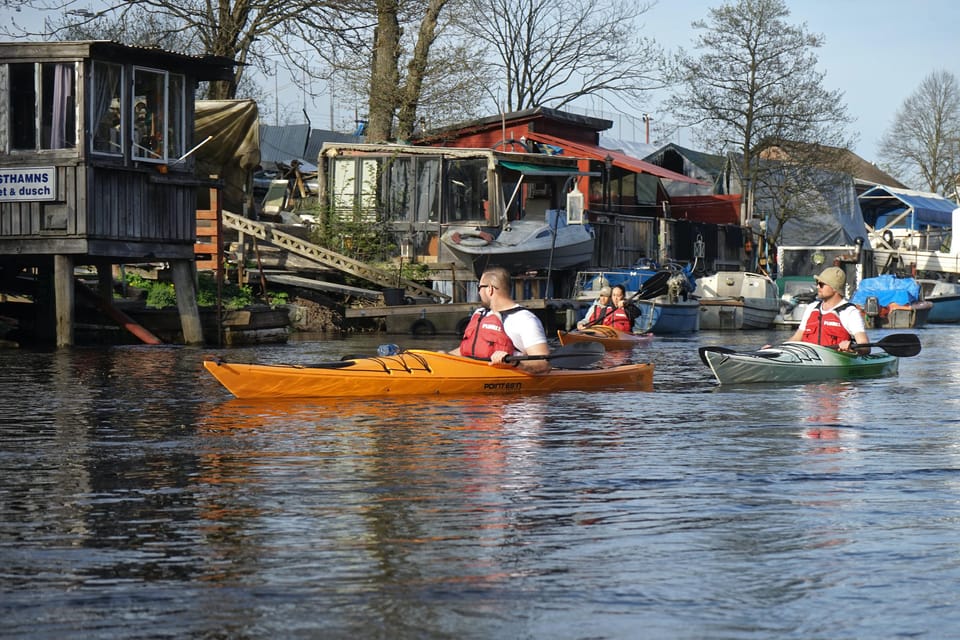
pixel 832 320
pixel 502 328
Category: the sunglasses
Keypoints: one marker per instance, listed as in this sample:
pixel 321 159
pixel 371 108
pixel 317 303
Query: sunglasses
pixel 822 284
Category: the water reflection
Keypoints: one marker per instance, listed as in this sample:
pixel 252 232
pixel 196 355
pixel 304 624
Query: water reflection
pixel 137 497
pixel 393 465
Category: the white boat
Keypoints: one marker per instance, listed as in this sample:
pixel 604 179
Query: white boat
pixel 522 245
pixel 737 300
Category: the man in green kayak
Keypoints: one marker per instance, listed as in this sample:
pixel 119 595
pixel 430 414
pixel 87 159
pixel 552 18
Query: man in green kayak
pixel 502 328
pixel 832 320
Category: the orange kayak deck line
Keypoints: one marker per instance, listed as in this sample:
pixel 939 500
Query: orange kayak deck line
pixel 415 373
pixel 611 339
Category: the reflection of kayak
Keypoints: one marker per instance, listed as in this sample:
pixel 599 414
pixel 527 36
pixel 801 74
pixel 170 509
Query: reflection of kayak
pixel 609 337
pixel 794 362
pixel 415 372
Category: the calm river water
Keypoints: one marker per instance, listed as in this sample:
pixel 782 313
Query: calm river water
pixel 138 499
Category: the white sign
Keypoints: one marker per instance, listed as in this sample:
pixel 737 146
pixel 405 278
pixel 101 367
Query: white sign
pixel 25 184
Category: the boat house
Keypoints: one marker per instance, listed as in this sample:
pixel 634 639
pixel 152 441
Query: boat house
pixel 97 169
pixel 628 200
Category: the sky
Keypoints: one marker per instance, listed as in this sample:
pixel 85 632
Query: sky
pixel 876 52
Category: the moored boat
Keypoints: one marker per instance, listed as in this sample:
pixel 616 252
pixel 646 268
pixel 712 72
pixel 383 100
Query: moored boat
pixel 611 339
pixel 415 373
pixel 890 302
pixel 523 244
pixel 667 315
pixel 945 298
pixel 737 300
pixel 795 362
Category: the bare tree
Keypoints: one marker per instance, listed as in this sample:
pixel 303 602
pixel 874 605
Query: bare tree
pixel 922 145
pixel 755 86
pixel 304 33
pixel 416 68
pixel 551 52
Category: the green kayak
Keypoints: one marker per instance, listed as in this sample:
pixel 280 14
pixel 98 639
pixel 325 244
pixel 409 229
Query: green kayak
pixel 794 362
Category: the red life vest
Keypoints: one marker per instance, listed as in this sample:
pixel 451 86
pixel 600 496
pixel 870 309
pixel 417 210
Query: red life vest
pixel 825 328
pixel 620 320
pixel 485 334
pixel 600 314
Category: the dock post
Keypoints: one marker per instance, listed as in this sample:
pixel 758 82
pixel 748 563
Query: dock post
pixel 63 298
pixel 185 287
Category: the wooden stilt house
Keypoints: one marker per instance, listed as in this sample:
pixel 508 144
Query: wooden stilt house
pixel 97 168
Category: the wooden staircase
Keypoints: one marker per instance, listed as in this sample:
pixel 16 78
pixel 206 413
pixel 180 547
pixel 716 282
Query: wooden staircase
pixel 326 257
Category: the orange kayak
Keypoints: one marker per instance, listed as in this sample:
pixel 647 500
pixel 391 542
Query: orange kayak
pixel 612 339
pixel 415 373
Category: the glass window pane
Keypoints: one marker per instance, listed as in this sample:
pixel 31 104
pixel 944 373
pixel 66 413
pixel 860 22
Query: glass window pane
pixel 58 111
pixel 175 125
pixel 23 106
pixel 105 108
pixel 149 115
pixel 428 190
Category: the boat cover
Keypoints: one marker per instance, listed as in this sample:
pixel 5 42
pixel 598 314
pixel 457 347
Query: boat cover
pixel 888 289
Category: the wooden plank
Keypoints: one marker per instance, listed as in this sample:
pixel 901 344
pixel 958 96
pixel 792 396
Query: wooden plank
pixel 319 285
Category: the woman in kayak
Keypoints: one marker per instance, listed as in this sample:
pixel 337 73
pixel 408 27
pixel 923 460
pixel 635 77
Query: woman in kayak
pixel 624 312
pixel 502 328
pixel 832 320
pixel 599 311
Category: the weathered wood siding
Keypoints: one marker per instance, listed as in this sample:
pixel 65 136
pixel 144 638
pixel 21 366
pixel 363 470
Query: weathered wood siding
pixel 123 205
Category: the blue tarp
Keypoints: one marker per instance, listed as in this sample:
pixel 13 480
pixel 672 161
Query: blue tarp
pixel 881 205
pixel 887 289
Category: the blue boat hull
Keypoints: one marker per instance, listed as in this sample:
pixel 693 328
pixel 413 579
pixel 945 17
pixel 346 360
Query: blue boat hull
pixel 661 317
pixel 946 310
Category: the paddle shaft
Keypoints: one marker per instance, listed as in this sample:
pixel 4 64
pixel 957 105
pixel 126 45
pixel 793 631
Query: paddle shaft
pixel 580 354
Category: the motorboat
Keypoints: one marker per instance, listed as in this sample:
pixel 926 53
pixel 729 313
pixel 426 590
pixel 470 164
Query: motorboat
pixel 945 297
pixel 891 302
pixel 523 245
pixel 737 300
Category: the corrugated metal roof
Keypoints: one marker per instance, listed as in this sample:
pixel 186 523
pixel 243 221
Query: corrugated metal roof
pixel 619 158
pixel 284 143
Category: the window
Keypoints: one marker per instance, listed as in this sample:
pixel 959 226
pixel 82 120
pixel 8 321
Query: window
pixel 105 108
pixel 49 86
pixel 402 189
pixel 467 183
pixel 157 115
pixel 355 189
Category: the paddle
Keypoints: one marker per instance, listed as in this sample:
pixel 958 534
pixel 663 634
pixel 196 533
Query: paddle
pixel 575 356
pixel 902 345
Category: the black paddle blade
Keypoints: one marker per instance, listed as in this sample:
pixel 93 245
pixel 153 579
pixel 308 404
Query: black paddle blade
pixel 654 286
pixel 902 345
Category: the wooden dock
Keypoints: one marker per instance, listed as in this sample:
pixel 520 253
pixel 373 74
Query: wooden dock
pixel 451 318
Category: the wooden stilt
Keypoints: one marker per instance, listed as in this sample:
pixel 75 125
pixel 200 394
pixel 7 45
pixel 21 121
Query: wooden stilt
pixel 63 298
pixel 184 279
